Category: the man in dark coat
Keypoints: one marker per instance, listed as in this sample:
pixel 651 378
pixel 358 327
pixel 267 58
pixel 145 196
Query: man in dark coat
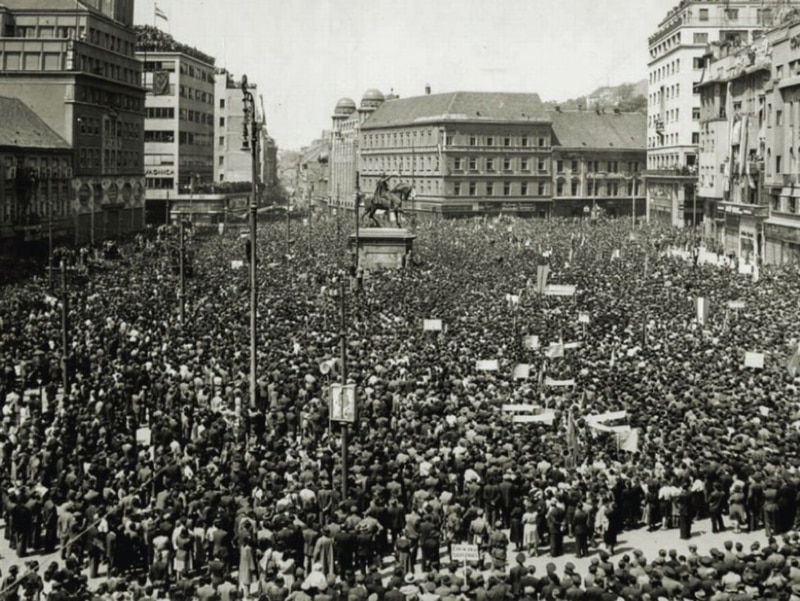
pixel 685 512
pixel 580 527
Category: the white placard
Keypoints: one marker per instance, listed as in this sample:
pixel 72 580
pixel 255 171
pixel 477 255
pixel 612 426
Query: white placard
pixel 432 325
pixel 583 318
pixel 531 341
pixel 487 365
pixel 544 418
pixel 736 304
pixel 464 552
pixel 560 290
pixel 238 264
pixel 511 407
pixel 607 416
pixel 556 383
pixel 754 360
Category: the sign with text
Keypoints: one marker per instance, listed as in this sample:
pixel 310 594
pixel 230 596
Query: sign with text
pixel 237 264
pixel 560 290
pixel 543 418
pixel 521 371
pixel 556 383
pixel 464 552
pixel 736 304
pixel 583 318
pixel 487 365
pixel 511 407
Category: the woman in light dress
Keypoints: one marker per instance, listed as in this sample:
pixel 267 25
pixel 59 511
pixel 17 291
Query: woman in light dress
pixel 530 528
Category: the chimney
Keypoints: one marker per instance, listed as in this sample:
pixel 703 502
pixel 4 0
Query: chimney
pixel 427 89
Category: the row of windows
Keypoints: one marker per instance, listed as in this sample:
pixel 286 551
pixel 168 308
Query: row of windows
pixel 668 161
pixel 58 204
pixel 666 45
pixel 500 189
pixel 151 160
pixel 606 189
pixel 198 95
pixel 159 183
pixel 430 137
pixel 197 73
pixel 96 37
pixel 598 166
pixel 163 136
pixel 671 68
pixel 112 128
pixel 492 164
pixel 670 140
pixel 110 70
pixel 91 95
pixel 89 158
pixel 160 112
pixel 197 117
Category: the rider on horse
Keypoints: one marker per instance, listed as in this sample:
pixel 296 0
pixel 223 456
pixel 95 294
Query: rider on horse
pixel 382 187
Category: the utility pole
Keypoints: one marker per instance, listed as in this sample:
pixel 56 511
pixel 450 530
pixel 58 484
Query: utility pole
pixel 250 143
pixel 64 328
pixel 343 359
pixel 182 269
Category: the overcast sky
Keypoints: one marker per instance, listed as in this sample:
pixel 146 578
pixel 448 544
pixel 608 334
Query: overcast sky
pixel 306 54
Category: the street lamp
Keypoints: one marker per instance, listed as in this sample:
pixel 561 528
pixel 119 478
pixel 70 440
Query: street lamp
pixel 250 140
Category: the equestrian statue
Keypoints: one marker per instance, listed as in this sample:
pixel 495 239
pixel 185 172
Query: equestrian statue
pixel 388 200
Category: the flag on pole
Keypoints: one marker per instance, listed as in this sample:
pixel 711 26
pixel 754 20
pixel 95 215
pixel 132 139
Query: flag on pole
pixel 644 331
pixel 572 441
pixel 794 363
pixel 160 14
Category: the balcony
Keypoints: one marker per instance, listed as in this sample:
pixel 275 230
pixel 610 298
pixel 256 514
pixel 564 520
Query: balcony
pixel 679 173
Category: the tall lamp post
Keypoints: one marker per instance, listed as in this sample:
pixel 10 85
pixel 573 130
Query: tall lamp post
pixel 250 142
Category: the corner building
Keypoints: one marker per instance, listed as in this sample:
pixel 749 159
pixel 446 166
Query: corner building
pixel 673 119
pixel 464 152
pixel 72 62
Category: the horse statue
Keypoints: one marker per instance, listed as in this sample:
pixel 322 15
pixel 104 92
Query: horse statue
pixel 390 201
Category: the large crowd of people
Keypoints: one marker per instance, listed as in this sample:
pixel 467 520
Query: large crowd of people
pixel 157 476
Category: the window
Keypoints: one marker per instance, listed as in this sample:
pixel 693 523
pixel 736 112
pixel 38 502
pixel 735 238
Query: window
pixel 700 38
pixel 613 189
pixel 222 140
pixel 703 14
pixel 222 103
pixel 222 121
pixel 574 188
pixel 221 161
pixel 778 117
pixel 506 164
pixel 506 188
pixel 541 166
pixel 574 167
pixel 523 189
pixel 697 63
pixel 732 14
pixel 696 113
pixel 489 141
pixel 457 189
pixel 490 164
pixel 779 72
pixel 591 166
pixel 559 166
pixel 489 189
pixel 506 141
pixel 524 165
pixel 472 188
pixel 559 188
pixel 448 140
pixel 764 16
pixel 613 167
pixel 778 163
pixel 473 164
pixel 457 166
pixel 524 141
pixel 695 137
pixel 473 141
pixel 542 142
pixel 542 189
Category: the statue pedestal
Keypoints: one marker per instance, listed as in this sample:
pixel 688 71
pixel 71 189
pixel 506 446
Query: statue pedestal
pixel 382 248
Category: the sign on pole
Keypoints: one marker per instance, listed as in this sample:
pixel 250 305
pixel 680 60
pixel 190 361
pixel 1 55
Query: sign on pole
pixel 343 403
pixel 583 317
pixel 464 552
pixel 560 290
pixel 238 264
pixel 521 371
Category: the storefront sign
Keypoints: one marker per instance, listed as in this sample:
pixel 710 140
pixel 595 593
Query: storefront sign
pixel 160 172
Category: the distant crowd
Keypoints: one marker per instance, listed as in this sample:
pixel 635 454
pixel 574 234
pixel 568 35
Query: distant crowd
pixel 156 476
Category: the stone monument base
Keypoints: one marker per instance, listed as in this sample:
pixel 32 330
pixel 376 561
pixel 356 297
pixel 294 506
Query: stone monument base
pixel 382 248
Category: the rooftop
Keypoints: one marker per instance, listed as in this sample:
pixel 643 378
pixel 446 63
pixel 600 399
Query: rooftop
pixel 589 129
pixel 459 106
pixel 152 39
pixel 21 127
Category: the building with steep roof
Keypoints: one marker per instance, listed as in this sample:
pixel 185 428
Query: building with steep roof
pixel 598 160
pixel 464 152
pixel 72 62
pixel 35 181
